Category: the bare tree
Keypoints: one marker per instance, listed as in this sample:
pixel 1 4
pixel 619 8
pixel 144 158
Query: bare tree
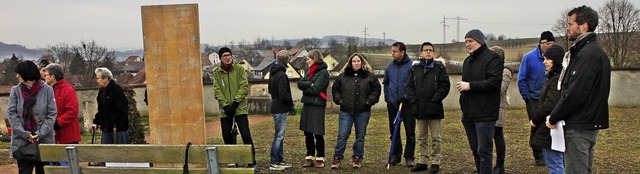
pixel 95 56
pixel 620 23
pixel 560 27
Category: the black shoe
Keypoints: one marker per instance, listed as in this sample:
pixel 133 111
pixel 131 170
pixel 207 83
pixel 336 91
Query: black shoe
pixel 395 160
pixel 419 168
pixel 498 170
pixel 409 163
pixel 434 168
pixel 540 162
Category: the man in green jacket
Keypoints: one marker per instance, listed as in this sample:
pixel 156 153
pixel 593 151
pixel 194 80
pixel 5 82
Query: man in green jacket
pixel 230 88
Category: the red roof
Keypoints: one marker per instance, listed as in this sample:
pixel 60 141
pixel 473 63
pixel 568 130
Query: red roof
pixel 206 61
pixel 132 58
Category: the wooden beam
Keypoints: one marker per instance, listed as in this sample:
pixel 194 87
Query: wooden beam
pixel 174 73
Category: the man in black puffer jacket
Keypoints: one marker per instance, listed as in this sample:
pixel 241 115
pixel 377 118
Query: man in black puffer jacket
pixel 480 97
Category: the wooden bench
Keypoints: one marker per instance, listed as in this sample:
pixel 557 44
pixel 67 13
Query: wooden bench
pixel 202 158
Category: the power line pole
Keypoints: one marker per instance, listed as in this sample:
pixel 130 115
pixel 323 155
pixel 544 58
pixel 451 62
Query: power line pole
pixel 384 38
pixel 444 29
pixel 458 19
pixel 365 36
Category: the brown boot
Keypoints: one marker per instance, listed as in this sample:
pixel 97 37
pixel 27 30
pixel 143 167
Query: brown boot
pixel 308 161
pixel 319 162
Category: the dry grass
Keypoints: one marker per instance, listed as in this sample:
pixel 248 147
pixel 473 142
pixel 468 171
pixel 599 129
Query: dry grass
pixel 615 150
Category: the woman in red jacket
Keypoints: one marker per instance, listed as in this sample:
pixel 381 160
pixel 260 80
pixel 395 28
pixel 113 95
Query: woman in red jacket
pixel 66 126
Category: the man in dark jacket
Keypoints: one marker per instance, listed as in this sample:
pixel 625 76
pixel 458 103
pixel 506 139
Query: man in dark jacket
pixel 395 84
pixel 584 92
pixel 480 97
pixel 428 85
pixel 530 81
pixel 113 109
pixel 281 103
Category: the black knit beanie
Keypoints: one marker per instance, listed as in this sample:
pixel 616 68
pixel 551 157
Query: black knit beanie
pixel 547 36
pixel 555 52
pixel 477 35
pixel 222 51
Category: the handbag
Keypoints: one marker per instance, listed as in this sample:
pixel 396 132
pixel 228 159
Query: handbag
pixel 28 152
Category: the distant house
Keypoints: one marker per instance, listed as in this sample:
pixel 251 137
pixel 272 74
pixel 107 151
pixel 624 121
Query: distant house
pixel 132 67
pixel 134 58
pixel 214 59
pixel 332 63
pixel 264 67
pixel 291 72
pixel 298 59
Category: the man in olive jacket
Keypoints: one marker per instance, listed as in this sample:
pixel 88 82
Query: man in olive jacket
pixel 480 97
pixel 230 88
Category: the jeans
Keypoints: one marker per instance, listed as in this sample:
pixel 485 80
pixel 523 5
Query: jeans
pixel 122 137
pixel 277 152
pixel 344 130
pixel 532 106
pixel 554 160
pixel 480 136
pixel 409 129
pixel 580 144
pixel 501 148
pixel 424 126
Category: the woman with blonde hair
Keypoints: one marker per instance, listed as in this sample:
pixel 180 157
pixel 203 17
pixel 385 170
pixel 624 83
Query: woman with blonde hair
pixel 314 98
pixel 356 90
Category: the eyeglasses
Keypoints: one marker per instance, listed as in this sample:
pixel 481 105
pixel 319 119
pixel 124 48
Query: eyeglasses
pixel 428 50
pixel 46 74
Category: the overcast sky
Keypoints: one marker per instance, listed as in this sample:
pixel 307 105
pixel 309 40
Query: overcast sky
pixel 118 24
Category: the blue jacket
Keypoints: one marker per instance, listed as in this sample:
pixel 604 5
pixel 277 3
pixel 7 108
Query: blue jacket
pixel 531 76
pixel 395 80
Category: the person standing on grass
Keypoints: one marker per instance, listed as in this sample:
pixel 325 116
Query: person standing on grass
pixel 585 82
pixel 530 81
pixel 498 135
pixel 66 126
pixel 230 88
pixel 113 109
pixel 427 86
pixel 395 84
pixel 281 104
pixel 548 100
pixel 356 90
pixel 314 98
pixel 480 97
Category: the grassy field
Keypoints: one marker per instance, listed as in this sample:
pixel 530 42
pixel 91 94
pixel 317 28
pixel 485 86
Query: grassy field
pixel 616 149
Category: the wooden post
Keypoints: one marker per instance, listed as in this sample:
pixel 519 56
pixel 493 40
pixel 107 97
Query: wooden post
pixel 174 73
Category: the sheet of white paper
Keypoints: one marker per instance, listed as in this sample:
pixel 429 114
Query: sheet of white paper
pixel 557 137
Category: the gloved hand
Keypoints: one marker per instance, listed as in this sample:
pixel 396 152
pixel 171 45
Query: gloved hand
pixel 229 111
pixel 234 105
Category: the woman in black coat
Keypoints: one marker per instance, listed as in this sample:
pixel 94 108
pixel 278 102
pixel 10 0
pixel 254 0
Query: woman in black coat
pixel 355 90
pixel 548 100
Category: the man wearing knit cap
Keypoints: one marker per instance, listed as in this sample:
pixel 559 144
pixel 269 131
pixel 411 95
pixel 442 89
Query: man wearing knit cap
pixel 480 97
pixel 530 81
pixel 585 82
pixel 230 88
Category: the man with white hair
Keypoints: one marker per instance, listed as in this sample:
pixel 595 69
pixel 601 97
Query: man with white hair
pixel 113 108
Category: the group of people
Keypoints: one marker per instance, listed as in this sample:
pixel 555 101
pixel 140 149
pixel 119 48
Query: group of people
pixel 43 108
pixel 561 89
pixel 569 88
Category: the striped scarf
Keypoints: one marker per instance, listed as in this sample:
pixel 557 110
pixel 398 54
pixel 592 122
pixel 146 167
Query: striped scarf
pixel 29 95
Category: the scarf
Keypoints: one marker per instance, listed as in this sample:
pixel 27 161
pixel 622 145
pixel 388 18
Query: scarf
pixel 312 70
pixel 226 67
pixel 29 95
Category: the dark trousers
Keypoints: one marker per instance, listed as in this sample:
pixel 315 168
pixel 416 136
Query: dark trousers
pixel 226 124
pixel 409 129
pixel 26 167
pixel 501 148
pixel 532 106
pixel 314 142
pixel 480 137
